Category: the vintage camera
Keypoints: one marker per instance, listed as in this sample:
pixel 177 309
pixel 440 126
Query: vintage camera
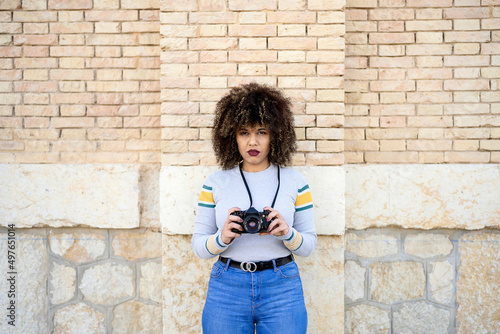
pixel 253 221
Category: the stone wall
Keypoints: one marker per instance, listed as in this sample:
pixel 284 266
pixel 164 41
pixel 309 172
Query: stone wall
pixel 84 280
pixel 413 281
pixel 105 115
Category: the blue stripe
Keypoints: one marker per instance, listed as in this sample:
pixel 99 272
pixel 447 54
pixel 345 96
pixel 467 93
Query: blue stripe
pixel 218 242
pixel 304 208
pixel 206 243
pixel 207 187
pixel 304 188
pixel 211 206
pixel 293 234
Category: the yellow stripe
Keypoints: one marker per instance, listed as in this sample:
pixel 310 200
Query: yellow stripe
pixel 295 243
pixel 304 199
pixel 207 197
pixel 211 246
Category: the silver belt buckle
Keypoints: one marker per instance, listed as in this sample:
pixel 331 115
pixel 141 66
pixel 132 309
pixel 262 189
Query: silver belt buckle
pixel 248 266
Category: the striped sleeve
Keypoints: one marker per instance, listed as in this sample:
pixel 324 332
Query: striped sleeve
pixel 206 239
pixel 294 242
pixel 214 244
pixel 206 199
pixel 304 199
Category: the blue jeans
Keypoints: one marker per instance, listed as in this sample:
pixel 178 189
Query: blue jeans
pixel 269 301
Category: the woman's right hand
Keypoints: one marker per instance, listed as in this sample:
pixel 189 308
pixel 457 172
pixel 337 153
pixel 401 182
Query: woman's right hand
pixel 227 235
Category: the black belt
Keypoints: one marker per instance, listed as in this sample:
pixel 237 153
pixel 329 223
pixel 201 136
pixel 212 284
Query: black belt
pixel 257 266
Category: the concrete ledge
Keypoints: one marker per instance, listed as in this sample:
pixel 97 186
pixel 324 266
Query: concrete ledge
pixel 61 195
pixel 423 196
pixel 180 188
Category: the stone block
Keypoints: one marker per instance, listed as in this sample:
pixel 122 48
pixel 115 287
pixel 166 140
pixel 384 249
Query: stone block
pixel 108 283
pixel 186 281
pixel 478 294
pixel 78 246
pixel 62 283
pixel 136 317
pixel 79 318
pixel 133 245
pixel 354 281
pixel 149 282
pixel 180 188
pixel 95 195
pixel 322 276
pixel 441 280
pixel 364 318
pixel 396 281
pixel 423 196
pixel 30 290
pixel 421 317
pixel 371 245
pixel 427 245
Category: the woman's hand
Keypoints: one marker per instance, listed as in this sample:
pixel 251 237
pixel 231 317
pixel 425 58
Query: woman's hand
pixel 278 226
pixel 227 235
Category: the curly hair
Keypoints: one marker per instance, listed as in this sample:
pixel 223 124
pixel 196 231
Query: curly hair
pixel 249 105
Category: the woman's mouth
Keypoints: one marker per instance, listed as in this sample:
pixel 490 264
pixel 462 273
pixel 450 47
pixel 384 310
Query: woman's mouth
pixel 253 153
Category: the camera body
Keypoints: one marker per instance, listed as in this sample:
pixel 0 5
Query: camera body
pixel 253 221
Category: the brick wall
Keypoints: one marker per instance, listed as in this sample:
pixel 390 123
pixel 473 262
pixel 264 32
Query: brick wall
pixel 79 81
pixel 211 46
pixel 422 81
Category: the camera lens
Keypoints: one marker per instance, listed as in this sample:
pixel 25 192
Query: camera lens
pixel 252 224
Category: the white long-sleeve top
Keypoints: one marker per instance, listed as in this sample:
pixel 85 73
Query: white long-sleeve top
pixel 225 189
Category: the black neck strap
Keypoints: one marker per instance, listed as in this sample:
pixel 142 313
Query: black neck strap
pixel 250 194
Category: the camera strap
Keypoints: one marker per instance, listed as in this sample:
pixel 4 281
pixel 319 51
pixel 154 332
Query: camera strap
pixel 250 194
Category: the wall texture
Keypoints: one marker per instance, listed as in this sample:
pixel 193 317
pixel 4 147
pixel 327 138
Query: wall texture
pixel 105 116
pixel 80 81
pixel 422 81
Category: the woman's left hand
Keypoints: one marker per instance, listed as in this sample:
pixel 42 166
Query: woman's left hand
pixel 278 226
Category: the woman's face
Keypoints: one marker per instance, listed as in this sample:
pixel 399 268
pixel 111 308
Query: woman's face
pixel 254 144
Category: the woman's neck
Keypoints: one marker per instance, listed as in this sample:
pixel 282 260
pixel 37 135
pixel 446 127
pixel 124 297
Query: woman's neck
pixel 255 168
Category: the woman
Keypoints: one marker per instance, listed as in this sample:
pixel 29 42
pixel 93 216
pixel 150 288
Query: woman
pixel 254 214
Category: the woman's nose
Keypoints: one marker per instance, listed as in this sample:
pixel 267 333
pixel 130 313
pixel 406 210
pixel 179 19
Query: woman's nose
pixel 253 138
